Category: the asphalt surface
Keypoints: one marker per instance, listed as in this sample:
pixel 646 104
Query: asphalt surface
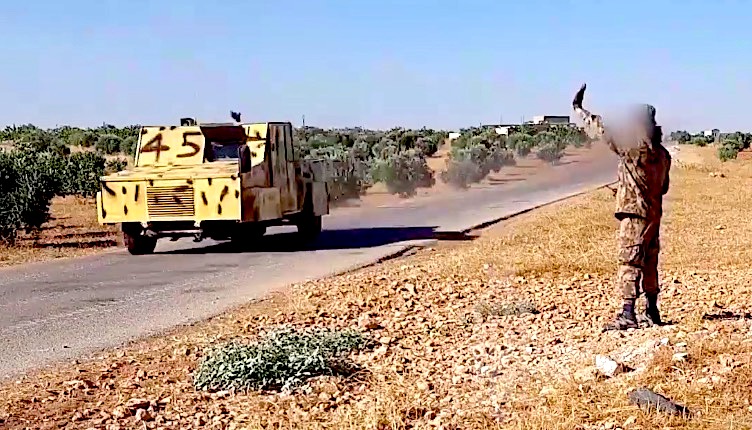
pixel 71 308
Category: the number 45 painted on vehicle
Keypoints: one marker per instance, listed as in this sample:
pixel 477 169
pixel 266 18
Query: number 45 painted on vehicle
pixel 162 146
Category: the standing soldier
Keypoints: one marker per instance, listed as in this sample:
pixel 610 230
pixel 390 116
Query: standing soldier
pixel 643 176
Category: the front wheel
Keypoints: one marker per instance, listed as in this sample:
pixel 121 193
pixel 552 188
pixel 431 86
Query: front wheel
pixel 138 244
pixel 309 227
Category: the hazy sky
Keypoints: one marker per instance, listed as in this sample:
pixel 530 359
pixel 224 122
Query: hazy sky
pixel 443 64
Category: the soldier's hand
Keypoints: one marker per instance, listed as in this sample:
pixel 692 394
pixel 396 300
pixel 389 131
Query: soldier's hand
pixel 577 101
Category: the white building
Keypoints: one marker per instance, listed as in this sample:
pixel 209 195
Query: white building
pixel 502 130
pixel 711 133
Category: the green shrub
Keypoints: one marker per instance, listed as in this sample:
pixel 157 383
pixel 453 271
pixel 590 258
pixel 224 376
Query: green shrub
pixel 128 146
pixel 282 359
pixel 11 204
pixel 726 153
pixel 42 141
pixel 114 166
pixel 428 145
pixel 461 173
pixel 472 158
pixel 731 145
pixel 521 143
pixel 82 176
pixel 402 172
pixel 550 147
pixel 109 144
pixel 83 138
pixel 499 157
pixel 29 179
pixel 28 182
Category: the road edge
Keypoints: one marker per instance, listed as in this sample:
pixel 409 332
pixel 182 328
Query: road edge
pixel 484 225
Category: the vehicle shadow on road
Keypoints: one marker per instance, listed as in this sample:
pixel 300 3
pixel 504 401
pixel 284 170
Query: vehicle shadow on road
pixel 355 238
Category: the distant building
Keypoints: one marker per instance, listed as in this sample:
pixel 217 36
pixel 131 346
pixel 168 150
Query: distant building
pixel 453 135
pixel 550 119
pixel 502 129
pixel 711 133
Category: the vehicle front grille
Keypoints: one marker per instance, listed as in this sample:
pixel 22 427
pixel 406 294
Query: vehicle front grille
pixel 170 202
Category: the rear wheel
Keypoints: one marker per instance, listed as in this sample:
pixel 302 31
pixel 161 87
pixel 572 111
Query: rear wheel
pixel 309 226
pixel 138 244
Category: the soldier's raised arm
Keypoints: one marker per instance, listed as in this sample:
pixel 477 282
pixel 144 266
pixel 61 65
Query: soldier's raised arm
pixel 593 123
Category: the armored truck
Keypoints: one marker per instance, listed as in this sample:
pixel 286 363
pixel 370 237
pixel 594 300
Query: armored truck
pixel 224 181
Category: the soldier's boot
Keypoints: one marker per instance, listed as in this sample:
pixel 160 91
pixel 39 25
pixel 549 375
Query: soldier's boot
pixel 651 316
pixel 625 319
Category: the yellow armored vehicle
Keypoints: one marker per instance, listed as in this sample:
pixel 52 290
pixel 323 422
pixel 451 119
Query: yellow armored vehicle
pixel 214 180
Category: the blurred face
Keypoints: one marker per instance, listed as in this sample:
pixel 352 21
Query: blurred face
pixel 641 118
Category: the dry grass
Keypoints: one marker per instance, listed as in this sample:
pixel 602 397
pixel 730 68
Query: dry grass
pixel 442 362
pixel 73 231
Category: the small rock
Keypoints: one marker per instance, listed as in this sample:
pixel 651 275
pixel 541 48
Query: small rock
pixel 629 421
pixel 679 357
pixel 608 367
pixel 649 399
pixel 220 394
pixel 547 391
pixel 137 403
pixel 366 322
pixel 585 375
pixel 143 415
pixel 120 412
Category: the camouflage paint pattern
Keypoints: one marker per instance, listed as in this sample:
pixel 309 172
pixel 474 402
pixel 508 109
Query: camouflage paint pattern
pixel 171 180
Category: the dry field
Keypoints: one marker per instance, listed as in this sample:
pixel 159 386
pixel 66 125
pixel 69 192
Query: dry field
pixel 448 355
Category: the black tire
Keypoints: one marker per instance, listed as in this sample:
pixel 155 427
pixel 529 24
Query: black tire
pixel 138 244
pixel 309 226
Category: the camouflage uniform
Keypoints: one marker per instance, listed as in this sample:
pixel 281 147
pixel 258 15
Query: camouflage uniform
pixel 643 178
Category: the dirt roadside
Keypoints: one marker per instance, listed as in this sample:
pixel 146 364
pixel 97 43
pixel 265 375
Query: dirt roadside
pixel 447 356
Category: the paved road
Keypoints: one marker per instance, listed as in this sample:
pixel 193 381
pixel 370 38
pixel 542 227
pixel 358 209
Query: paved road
pixel 70 308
